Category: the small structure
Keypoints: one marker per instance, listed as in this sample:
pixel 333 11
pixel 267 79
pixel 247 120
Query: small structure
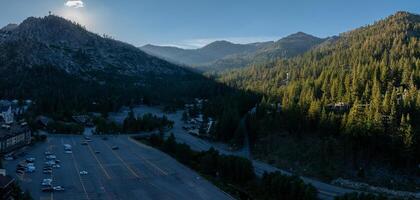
pixel 339 106
pixel 43 120
pixel 6 111
pixel 83 120
pixel 6 184
pixel 13 136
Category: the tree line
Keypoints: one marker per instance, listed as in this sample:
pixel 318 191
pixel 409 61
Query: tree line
pixel 361 87
pixel 235 174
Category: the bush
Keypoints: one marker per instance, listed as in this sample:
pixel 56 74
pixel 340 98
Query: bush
pixel 362 196
pixel 65 128
pixel 278 186
pixel 147 122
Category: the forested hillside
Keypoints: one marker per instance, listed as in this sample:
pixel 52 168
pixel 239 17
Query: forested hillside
pixel 64 68
pixel 359 90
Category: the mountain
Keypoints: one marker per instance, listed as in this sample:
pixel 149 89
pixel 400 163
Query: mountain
pixel 59 62
pixel 358 93
pixel 287 47
pixel 9 27
pixel 222 55
pixel 201 56
pixel 56 41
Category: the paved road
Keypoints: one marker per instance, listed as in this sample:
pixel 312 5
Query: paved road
pixel 135 171
pixel 326 191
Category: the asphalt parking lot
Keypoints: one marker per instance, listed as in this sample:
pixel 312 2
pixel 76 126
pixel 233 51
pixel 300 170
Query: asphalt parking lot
pixel 134 171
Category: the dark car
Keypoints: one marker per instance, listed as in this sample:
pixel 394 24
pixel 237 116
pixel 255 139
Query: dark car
pixel 47 189
pixel 115 148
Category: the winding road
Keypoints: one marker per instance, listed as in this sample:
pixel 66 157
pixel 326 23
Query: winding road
pixel 326 191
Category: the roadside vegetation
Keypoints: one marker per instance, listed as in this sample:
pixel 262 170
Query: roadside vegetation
pixel 234 174
pixel 18 194
pixel 65 128
pixel 357 96
pixel 133 124
pixel 363 196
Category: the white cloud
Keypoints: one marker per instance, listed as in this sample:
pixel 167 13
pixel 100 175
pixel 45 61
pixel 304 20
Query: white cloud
pixel 75 4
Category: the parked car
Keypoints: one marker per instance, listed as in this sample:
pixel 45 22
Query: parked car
pixel 115 147
pixel 46 182
pixel 47 189
pixel 83 172
pixel 30 169
pixel 8 158
pixel 58 188
pixel 30 160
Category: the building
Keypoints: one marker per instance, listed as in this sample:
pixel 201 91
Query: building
pixel 340 106
pixel 83 120
pixel 13 136
pixel 6 111
pixel 6 185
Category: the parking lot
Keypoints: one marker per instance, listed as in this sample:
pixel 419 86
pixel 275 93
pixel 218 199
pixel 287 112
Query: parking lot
pixel 133 171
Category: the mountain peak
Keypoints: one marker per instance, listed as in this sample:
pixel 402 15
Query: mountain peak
pixel 299 35
pixel 403 16
pixel 218 43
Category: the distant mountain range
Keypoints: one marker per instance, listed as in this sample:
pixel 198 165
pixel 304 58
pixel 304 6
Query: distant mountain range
pixel 222 55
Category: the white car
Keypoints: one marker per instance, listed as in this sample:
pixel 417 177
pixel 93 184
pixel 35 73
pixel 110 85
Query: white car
pixel 56 166
pixel 83 173
pixel 30 169
pixel 8 158
pixel 58 188
pixel 68 151
pixel 46 182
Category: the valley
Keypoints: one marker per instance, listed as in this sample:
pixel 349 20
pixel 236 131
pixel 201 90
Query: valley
pixel 194 110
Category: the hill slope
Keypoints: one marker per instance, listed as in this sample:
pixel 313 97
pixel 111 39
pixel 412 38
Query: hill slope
pixel 222 55
pixel 199 57
pixel 286 47
pixel 75 67
pixel 359 92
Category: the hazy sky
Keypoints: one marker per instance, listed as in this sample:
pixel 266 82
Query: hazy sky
pixel 194 23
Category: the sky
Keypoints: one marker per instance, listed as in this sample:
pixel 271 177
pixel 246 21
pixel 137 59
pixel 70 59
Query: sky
pixel 195 23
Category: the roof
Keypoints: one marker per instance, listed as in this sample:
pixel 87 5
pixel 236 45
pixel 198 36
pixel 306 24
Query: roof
pixel 44 120
pixel 13 130
pixel 5 181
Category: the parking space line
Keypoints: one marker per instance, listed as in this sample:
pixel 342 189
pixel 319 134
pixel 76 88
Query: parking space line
pixel 78 173
pixel 119 157
pixel 99 162
pixel 145 160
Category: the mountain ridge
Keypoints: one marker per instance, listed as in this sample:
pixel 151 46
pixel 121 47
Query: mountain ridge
pixel 221 55
pixel 75 67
